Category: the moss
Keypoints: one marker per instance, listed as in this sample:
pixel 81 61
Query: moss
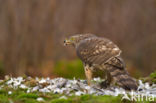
pixel 62 101
pixel 20 97
pixel 26 100
pixel 106 99
pixel 28 95
pixel 85 97
pixel 153 75
pixel 4 99
pixel 90 99
pixel 3 91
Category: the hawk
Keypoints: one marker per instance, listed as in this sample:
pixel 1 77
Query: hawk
pixel 101 53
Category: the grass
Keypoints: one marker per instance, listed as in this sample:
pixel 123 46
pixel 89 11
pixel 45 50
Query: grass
pixel 20 96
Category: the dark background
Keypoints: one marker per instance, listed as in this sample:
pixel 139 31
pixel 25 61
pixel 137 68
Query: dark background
pixel 32 34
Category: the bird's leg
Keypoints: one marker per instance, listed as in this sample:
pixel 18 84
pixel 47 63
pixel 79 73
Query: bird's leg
pixel 88 73
pixel 107 82
pixel 109 78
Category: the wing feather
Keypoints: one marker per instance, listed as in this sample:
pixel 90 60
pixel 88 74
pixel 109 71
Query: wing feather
pixel 97 50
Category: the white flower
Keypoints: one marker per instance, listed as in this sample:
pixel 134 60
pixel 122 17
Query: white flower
pixel 140 83
pixel 40 99
pixel 35 88
pixel 16 83
pixel 78 93
pixel 57 90
pixel 87 87
pixel 28 91
pixel 47 78
pixel 1 81
pixel 10 92
pixel 68 85
pixel 91 91
pixel 42 81
pixel 51 87
pixel 10 81
pixel 74 81
pixel 147 86
pixel 37 79
pixel 20 79
pixel 97 79
pixel 117 92
pixel 44 90
pixel 23 86
pixel 108 92
pixel 63 97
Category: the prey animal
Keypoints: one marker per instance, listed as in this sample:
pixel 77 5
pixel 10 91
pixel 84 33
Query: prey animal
pixel 101 53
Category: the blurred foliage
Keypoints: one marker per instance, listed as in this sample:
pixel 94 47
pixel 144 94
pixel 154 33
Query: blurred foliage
pixel 2 72
pixel 32 32
pixel 69 69
pixel 153 75
pixel 151 78
pixel 73 68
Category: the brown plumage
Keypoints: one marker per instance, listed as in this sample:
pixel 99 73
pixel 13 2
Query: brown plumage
pixel 101 53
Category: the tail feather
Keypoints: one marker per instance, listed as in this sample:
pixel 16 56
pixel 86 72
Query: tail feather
pixel 122 78
pixel 119 75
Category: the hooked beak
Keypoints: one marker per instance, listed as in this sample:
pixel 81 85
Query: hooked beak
pixel 67 42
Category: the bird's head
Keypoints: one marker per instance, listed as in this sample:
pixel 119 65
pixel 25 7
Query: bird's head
pixel 76 39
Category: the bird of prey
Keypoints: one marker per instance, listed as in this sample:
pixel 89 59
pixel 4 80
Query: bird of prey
pixel 101 53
